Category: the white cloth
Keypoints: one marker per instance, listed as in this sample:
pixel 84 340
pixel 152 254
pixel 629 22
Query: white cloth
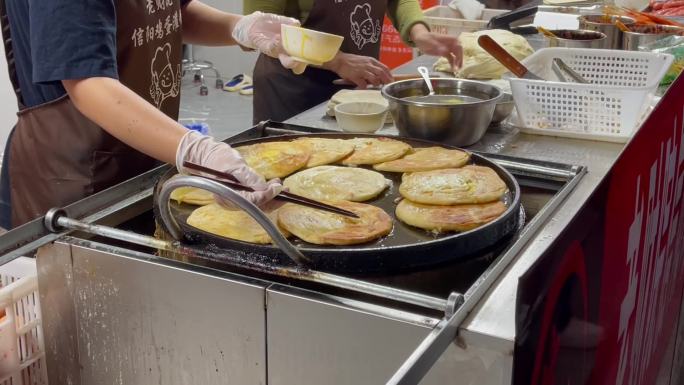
pixel 470 9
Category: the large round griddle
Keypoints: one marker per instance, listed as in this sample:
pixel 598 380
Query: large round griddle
pixel 404 248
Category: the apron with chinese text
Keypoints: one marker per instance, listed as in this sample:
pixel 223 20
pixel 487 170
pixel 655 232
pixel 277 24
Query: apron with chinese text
pixel 55 155
pixel 279 94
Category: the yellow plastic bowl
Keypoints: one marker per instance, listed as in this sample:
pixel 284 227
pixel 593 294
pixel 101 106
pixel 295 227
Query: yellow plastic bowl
pixel 309 46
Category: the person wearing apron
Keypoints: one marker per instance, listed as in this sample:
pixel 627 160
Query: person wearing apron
pixel 279 94
pixel 98 90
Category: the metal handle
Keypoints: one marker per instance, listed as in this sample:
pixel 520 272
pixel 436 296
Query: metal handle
pixel 231 195
pixel 426 76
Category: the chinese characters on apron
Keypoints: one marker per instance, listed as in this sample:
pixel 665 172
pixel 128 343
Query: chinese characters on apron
pixel 56 156
pixel 280 94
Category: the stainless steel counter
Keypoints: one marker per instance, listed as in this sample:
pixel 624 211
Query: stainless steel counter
pixel 493 321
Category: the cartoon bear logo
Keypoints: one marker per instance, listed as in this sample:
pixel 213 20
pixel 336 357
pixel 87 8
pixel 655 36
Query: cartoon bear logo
pixel 364 30
pixel 165 81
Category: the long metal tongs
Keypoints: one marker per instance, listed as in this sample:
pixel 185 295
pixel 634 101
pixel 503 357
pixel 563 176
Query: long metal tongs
pixel 284 196
pixel 560 67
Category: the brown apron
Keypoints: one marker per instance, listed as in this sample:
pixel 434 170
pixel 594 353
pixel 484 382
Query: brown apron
pixel 279 94
pixel 56 155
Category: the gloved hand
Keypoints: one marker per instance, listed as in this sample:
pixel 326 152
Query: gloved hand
pixel 261 31
pixel 205 151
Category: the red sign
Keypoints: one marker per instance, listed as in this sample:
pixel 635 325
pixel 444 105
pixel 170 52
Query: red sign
pixel 602 306
pixel 393 51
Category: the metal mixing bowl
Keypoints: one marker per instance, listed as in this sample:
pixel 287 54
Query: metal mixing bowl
pixel 503 108
pixel 454 124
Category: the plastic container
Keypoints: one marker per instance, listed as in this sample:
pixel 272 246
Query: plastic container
pixel 444 20
pixel 610 108
pixel 22 347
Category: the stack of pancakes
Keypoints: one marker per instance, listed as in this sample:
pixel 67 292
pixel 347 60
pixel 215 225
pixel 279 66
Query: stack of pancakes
pixel 441 193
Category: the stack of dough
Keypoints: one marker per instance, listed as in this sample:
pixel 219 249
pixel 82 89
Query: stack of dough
pixel 477 63
pixel 455 199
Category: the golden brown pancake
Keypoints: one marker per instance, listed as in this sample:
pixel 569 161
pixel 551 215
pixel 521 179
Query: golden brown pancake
pixel 275 159
pixel 453 186
pixel 192 195
pixel 334 183
pixel 375 150
pixel 426 159
pixel 231 223
pixel 326 151
pixel 325 228
pixel 448 218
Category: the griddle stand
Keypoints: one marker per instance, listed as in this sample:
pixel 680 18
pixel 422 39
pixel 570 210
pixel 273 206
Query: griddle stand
pixel 115 202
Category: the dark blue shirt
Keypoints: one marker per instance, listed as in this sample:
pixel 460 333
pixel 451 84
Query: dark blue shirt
pixel 55 40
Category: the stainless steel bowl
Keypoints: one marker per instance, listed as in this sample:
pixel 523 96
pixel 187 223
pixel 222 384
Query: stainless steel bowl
pixel 454 124
pixel 639 35
pixel 571 38
pixel 503 108
pixel 606 25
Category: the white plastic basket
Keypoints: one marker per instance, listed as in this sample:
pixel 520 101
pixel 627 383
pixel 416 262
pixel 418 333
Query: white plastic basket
pixel 22 347
pixel 444 20
pixel 622 85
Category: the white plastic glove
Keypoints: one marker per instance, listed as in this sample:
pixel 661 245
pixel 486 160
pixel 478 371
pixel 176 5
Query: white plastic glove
pixel 261 31
pixel 205 151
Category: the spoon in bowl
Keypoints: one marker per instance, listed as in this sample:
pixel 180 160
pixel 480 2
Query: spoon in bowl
pixel 433 98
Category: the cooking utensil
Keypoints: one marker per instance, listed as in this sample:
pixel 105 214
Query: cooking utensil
pixel 503 108
pixel 622 27
pixel 639 35
pixel 443 98
pixel 455 124
pixel 406 248
pixel 505 58
pixel 577 39
pixel 609 25
pixel 566 68
pixel 546 32
pixel 396 78
pixel 284 196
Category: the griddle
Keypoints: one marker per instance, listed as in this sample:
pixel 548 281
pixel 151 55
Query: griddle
pixel 405 248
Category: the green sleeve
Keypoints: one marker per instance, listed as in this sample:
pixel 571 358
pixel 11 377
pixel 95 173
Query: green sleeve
pixel 269 6
pixel 404 15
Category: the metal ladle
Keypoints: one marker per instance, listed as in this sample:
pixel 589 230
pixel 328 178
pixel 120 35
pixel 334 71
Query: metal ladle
pixel 432 98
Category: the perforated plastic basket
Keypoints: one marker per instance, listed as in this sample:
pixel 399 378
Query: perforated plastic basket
pixel 22 347
pixel 622 85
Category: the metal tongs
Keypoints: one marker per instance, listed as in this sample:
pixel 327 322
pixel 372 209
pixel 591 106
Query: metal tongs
pixel 559 66
pixel 284 196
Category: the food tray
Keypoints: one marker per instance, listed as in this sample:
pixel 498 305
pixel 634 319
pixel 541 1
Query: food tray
pixel 622 87
pixel 22 347
pixel 404 248
pixel 444 20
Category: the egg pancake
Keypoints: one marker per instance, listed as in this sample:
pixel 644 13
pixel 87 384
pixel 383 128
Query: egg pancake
pixel 375 150
pixel 231 223
pixel 275 159
pixel 426 159
pixel 453 186
pixel 448 218
pixel 334 183
pixel 192 195
pixel 326 151
pixel 324 228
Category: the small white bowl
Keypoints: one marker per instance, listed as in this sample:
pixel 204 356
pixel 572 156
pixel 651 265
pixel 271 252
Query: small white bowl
pixel 309 46
pixel 361 117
